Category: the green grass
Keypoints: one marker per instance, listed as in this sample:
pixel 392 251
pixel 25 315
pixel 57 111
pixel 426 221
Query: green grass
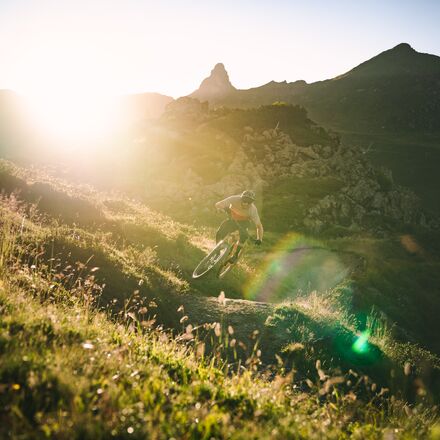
pixel 84 360
pixel 68 371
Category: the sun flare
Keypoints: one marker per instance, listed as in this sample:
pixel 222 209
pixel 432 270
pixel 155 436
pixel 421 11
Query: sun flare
pixel 74 116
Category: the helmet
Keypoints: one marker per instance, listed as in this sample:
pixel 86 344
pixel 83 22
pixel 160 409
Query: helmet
pixel 248 196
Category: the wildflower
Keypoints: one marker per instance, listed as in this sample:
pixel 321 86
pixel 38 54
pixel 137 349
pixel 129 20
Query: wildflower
pixel 200 351
pixel 222 298
pixel 131 315
pixel 147 324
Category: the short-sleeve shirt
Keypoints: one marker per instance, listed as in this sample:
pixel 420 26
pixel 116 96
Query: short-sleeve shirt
pixel 240 212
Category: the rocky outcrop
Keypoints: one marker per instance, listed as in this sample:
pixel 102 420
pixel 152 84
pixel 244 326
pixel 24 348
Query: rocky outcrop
pixel 360 196
pixel 369 198
pixel 216 85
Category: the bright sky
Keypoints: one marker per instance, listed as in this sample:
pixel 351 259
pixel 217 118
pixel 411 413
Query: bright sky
pixel 127 46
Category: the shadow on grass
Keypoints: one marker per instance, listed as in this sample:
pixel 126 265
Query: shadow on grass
pixel 303 340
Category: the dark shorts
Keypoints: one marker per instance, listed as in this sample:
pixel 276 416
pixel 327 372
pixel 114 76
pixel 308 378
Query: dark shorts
pixel 229 226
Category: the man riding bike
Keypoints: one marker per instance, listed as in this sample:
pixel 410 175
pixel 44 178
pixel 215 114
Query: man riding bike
pixel 242 211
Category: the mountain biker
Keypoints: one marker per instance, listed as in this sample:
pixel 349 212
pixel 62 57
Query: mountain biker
pixel 241 210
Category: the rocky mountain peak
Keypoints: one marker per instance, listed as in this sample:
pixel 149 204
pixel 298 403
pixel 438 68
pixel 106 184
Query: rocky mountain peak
pixel 215 85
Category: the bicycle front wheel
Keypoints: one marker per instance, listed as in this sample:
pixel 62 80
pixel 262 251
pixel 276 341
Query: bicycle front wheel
pixel 212 259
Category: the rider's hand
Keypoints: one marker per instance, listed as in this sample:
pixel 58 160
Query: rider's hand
pixel 228 210
pixel 257 242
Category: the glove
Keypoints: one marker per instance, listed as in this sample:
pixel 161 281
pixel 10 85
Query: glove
pixel 228 211
pixel 257 242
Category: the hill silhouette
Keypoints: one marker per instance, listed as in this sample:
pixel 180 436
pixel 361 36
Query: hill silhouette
pixel 398 90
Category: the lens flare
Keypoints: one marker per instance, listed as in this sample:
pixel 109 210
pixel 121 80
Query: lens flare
pixel 297 265
pixel 361 345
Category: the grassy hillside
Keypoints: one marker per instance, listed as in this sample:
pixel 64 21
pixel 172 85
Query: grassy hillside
pixel 87 277
pixel 68 371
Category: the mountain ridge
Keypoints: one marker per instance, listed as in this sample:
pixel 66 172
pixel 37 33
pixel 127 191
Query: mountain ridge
pixel 367 97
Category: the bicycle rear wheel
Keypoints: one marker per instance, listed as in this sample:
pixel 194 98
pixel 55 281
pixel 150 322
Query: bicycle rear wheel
pixel 212 259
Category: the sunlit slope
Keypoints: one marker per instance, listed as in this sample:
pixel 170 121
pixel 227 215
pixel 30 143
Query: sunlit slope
pixel 106 224
pixel 68 370
pixel 139 258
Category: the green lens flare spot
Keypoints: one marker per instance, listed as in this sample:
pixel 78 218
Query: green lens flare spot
pixel 361 344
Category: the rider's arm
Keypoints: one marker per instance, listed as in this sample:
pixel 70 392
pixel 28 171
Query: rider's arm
pixel 256 219
pixel 260 231
pixel 223 204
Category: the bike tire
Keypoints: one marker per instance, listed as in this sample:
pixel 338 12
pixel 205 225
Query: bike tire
pixel 212 259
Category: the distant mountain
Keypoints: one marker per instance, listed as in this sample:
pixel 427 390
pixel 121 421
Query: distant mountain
pixel 398 90
pixel 145 105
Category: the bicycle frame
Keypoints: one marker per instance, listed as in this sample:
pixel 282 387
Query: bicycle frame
pixel 219 256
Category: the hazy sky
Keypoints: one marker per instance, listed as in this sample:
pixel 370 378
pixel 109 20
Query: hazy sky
pixel 127 46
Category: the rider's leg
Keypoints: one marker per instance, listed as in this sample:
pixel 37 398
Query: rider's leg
pixel 243 237
pixel 244 225
pixel 224 229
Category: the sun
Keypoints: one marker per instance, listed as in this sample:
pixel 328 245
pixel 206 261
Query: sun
pixel 74 115
pixel 68 93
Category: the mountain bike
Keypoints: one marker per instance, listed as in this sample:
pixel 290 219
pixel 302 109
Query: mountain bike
pixel 219 259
